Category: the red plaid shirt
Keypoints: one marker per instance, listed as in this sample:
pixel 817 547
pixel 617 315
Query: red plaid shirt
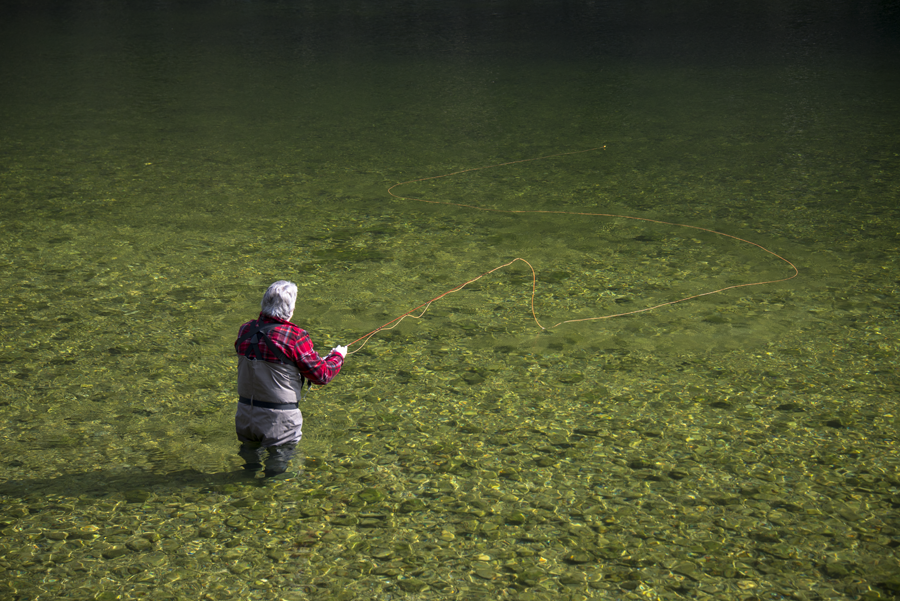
pixel 296 345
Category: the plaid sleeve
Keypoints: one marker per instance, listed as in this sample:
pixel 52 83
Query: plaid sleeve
pixel 318 370
pixel 298 347
pixel 241 347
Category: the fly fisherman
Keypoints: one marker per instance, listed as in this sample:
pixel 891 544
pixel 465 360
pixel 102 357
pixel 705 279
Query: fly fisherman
pixel 275 359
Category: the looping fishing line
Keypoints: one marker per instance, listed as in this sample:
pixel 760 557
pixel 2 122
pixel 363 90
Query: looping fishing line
pixel 396 321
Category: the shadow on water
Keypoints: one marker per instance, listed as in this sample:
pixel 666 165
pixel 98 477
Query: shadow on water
pixel 134 484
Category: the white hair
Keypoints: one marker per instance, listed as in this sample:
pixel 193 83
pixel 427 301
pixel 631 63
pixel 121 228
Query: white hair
pixel 279 300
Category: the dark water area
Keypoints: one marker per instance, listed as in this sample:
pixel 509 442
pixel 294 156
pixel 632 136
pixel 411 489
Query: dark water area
pixel 724 173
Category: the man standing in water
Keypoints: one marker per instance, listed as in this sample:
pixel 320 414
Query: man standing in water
pixel 275 359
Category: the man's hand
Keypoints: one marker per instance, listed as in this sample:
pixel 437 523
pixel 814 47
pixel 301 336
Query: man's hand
pixel 341 350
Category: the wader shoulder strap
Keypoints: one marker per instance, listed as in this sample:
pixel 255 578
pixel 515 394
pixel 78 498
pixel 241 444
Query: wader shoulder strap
pixel 257 332
pixel 262 331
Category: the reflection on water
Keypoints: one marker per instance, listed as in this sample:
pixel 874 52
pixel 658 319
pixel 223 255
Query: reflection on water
pixel 161 166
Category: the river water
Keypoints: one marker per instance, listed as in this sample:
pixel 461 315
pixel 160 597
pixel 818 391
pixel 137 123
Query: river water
pixel 162 163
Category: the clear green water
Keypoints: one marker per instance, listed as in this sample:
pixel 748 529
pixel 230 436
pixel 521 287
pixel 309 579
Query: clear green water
pixel 159 168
